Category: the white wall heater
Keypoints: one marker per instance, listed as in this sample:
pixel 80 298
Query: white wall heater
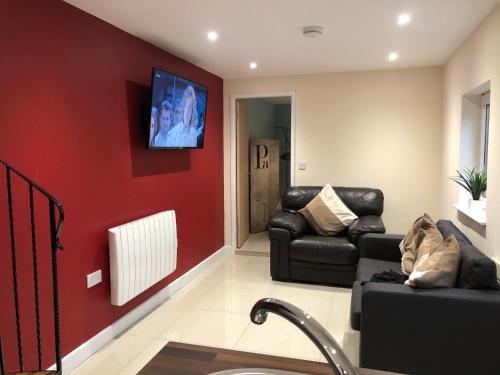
pixel 141 253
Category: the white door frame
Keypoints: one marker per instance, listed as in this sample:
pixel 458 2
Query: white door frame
pixel 233 99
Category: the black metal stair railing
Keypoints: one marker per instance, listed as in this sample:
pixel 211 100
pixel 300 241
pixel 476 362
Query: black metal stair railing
pixel 56 219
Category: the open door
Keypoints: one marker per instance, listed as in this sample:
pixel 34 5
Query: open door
pixel 242 174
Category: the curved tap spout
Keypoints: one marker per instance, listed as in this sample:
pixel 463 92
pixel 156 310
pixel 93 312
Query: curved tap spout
pixel 338 361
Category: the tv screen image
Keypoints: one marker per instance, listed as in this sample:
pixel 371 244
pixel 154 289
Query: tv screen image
pixel 178 112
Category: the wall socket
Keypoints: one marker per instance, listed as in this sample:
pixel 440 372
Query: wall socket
pixel 302 165
pixel 94 278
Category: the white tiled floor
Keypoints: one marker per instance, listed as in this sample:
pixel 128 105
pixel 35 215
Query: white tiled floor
pixel 256 243
pixel 214 310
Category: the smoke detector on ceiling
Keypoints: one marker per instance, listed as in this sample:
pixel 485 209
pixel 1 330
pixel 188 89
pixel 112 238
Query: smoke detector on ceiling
pixel 312 31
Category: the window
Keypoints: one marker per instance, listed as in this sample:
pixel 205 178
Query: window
pixel 474 136
pixel 486 131
pixel 474 128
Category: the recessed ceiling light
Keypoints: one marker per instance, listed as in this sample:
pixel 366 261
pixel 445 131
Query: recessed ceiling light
pixel 404 19
pixel 253 65
pixel 393 56
pixel 212 36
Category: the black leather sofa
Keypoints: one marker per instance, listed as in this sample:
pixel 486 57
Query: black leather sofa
pixel 299 254
pixel 426 331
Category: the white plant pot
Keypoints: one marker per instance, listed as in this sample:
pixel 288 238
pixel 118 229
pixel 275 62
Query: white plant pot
pixel 475 205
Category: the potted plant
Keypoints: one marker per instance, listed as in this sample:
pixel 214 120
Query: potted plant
pixel 474 181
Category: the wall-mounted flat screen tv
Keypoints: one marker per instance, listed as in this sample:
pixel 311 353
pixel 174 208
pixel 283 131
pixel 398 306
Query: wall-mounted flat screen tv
pixel 178 112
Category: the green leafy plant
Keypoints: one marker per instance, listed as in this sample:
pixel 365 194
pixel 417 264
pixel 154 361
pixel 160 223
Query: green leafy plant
pixel 472 180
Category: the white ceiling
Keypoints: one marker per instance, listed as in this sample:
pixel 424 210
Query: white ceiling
pixel 358 34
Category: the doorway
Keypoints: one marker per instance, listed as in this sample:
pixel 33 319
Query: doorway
pixel 263 166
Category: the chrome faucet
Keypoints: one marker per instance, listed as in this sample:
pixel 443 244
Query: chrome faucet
pixel 332 351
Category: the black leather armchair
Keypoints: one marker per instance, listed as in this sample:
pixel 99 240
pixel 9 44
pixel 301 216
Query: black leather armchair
pixel 299 254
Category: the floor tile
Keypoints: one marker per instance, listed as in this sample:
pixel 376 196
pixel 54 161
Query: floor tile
pixel 214 310
pixel 277 337
pixel 351 345
pixel 256 243
pixel 158 321
pixel 340 312
pixel 189 296
pixel 205 327
pixel 142 359
pixel 115 356
pixel 239 300
pixel 216 273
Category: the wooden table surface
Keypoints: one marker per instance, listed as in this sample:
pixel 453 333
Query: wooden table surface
pixel 184 359
pixel 35 373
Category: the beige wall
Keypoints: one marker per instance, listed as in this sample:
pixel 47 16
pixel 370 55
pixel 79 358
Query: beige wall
pixel 377 129
pixel 470 133
pixel 475 62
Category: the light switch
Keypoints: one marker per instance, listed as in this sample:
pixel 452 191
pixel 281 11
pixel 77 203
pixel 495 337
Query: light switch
pixel 94 278
pixel 302 165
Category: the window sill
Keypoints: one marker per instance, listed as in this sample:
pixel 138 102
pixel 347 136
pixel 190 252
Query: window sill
pixel 479 215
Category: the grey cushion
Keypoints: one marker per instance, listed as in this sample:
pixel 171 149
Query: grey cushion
pixel 327 250
pixel 476 270
pixel 368 267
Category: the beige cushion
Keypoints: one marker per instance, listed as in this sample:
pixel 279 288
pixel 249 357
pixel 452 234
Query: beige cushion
pixel 438 268
pixel 422 238
pixel 327 214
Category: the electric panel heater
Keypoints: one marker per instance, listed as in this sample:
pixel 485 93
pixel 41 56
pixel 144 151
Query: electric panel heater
pixel 141 253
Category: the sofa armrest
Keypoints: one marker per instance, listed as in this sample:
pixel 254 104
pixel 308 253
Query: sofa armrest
pixel 280 260
pixel 380 246
pixel 429 331
pixel 293 222
pixel 363 225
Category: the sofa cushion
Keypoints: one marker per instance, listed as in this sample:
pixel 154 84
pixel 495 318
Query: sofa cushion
pixel 422 238
pixel 367 267
pixel 476 270
pixel 297 197
pixel 437 268
pixel 327 250
pixel 446 227
pixel 327 214
pixel 331 274
pixel 361 201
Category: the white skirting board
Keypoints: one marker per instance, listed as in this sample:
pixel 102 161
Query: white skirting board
pixel 87 349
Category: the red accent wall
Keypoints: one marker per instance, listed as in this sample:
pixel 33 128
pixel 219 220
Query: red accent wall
pixel 74 92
